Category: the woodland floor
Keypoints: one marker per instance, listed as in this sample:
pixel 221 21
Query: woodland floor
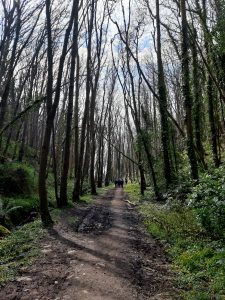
pixel 97 251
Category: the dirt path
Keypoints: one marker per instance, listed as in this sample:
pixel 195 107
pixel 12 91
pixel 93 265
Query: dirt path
pixel 93 253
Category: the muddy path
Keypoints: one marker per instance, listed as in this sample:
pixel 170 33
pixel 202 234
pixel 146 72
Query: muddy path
pixel 96 252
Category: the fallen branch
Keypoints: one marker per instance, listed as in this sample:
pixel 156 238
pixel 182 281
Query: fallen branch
pixel 130 203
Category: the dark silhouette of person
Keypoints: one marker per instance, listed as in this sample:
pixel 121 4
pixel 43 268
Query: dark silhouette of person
pixel 125 180
pixel 122 182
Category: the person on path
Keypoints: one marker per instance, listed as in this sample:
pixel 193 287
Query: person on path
pixel 122 182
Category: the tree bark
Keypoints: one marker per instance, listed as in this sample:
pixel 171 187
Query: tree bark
pixel 66 154
pixel 188 102
pixel 165 133
pixel 77 186
pixel 51 109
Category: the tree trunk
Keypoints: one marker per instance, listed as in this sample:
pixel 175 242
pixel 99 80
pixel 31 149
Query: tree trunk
pixel 197 102
pixel 76 119
pixel 77 186
pixel 66 154
pixel 51 110
pixel 188 103
pixel 45 215
pixel 165 134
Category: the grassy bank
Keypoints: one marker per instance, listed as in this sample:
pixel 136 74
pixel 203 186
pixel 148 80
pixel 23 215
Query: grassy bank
pixel 19 249
pixel 197 258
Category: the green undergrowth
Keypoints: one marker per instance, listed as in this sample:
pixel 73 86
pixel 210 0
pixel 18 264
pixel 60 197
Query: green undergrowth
pixel 17 209
pixel 27 203
pixel 198 258
pixel 18 192
pixel 103 190
pixel 19 250
pixel 17 179
pixel 133 189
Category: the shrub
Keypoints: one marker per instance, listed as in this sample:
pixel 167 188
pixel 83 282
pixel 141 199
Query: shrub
pixel 208 200
pixel 16 179
pixel 198 260
pixel 3 231
pixel 170 223
pixel 86 188
pixel 19 249
pixel 18 209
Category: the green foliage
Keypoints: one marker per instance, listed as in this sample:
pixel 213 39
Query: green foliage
pixel 50 183
pixel 18 208
pixel 198 261
pixel 17 187
pixel 170 223
pixel 70 186
pixel 28 203
pixel 208 200
pixel 17 179
pixel 103 190
pixel 184 171
pixel 133 190
pixel 86 188
pixel 202 268
pixel 18 250
pixel 87 198
pixel 3 231
pixel 218 30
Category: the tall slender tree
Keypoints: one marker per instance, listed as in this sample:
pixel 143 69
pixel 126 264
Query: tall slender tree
pixel 188 101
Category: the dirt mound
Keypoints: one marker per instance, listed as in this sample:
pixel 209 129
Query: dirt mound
pixel 97 220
